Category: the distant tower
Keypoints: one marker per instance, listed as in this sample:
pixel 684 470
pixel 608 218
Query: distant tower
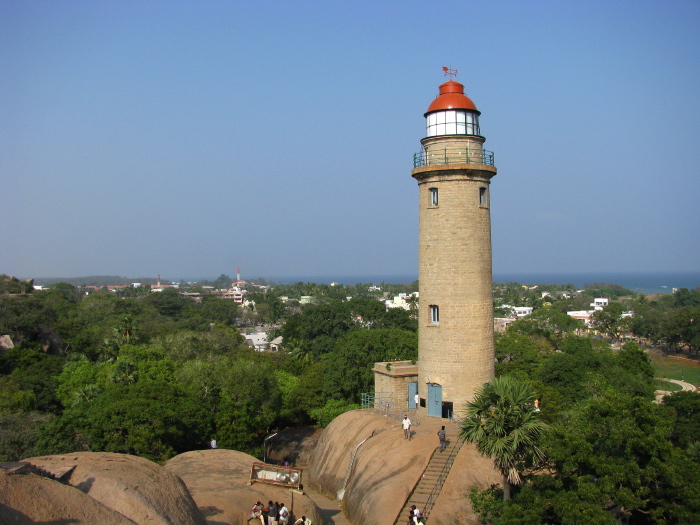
pixel 455 334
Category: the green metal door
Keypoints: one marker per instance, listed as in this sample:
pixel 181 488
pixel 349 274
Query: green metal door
pixel 434 400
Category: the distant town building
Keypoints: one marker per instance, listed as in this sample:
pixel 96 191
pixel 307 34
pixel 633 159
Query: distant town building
pixel 403 300
pixel 518 311
pixel 600 303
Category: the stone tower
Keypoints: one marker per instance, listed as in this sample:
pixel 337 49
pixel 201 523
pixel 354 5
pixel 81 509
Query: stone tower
pixel 455 334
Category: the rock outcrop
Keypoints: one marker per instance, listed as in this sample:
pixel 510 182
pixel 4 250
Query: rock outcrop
pixel 470 469
pixel 219 482
pixel 26 499
pixel 387 468
pixel 136 488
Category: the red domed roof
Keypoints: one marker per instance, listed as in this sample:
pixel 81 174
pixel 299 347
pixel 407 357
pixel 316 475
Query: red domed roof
pixel 451 97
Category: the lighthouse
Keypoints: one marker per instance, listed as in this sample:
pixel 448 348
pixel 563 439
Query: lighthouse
pixel 455 332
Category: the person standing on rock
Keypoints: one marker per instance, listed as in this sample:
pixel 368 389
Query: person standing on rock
pixel 256 513
pixel 271 514
pixel 406 424
pixel 213 443
pixel 441 435
pixel 283 514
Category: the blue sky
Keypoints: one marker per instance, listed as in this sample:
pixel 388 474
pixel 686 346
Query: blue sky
pixel 188 138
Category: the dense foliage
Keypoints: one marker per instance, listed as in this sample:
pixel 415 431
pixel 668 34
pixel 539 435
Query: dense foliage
pixel 610 452
pixel 157 374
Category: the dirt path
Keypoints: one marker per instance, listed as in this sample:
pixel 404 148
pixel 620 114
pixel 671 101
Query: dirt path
pixel 329 509
pixel 686 387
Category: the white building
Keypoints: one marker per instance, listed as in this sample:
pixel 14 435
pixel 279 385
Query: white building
pixel 599 303
pixel 402 300
pixel 518 311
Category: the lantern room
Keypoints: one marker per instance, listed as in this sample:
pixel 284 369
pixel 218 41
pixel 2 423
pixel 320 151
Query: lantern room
pixel 452 112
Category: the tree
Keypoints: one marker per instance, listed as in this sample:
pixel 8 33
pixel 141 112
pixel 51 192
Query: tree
pixel 22 317
pixel 573 370
pixel 124 373
pixel 152 419
pixel 686 417
pixel 19 433
pixel 301 350
pixel 610 320
pixel 348 369
pixel 520 355
pixel 323 416
pixel 613 450
pixel 548 323
pixel 503 423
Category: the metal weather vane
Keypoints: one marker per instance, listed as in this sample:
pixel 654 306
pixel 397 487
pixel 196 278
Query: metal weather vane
pixel 449 71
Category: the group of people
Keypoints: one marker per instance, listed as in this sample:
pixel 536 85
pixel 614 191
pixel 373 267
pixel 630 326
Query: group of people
pixel 275 514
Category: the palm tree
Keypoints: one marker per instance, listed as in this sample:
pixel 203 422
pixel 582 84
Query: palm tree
pixel 300 350
pixel 125 373
pixel 503 423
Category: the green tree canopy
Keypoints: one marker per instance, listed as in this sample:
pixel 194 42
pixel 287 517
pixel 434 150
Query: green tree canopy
pixel 504 425
pixel 348 369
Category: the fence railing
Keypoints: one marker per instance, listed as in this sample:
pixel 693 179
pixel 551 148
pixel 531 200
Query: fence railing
pixel 437 488
pixel 437 156
pixel 383 403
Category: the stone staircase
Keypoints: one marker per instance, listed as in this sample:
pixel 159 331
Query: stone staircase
pixel 14 468
pixel 430 484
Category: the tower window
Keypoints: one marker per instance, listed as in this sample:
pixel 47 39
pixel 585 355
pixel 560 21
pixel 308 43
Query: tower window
pixel 434 314
pixel 433 196
pixel 483 196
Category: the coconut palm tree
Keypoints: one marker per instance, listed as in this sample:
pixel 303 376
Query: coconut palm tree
pixel 504 425
pixel 300 350
pixel 124 373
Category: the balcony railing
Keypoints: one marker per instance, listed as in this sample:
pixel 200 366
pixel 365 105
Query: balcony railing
pixel 452 156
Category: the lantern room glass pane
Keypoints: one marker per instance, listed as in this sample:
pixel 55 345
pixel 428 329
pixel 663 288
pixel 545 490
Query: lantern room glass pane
pixel 452 122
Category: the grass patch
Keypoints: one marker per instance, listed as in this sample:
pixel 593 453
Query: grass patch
pixel 674 368
pixel 666 386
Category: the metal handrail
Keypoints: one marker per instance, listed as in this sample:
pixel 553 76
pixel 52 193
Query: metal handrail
pixel 384 405
pixel 453 156
pixel 341 493
pixel 441 479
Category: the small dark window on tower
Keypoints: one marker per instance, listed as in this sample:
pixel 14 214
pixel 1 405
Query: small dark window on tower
pixel 433 196
pixel 483 196
pixel 434 314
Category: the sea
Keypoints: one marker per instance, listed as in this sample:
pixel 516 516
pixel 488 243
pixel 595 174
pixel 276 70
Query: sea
pixel 647 283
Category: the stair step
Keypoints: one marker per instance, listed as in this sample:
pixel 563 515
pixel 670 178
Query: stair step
pixel 427 484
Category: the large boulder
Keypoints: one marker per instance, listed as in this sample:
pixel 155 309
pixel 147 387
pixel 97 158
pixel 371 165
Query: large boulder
pixel 294 445
pixel 387 467
pixel 470 469
pixel 331 457
pixel 28 498
pixel 219 481
pixel 139 489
